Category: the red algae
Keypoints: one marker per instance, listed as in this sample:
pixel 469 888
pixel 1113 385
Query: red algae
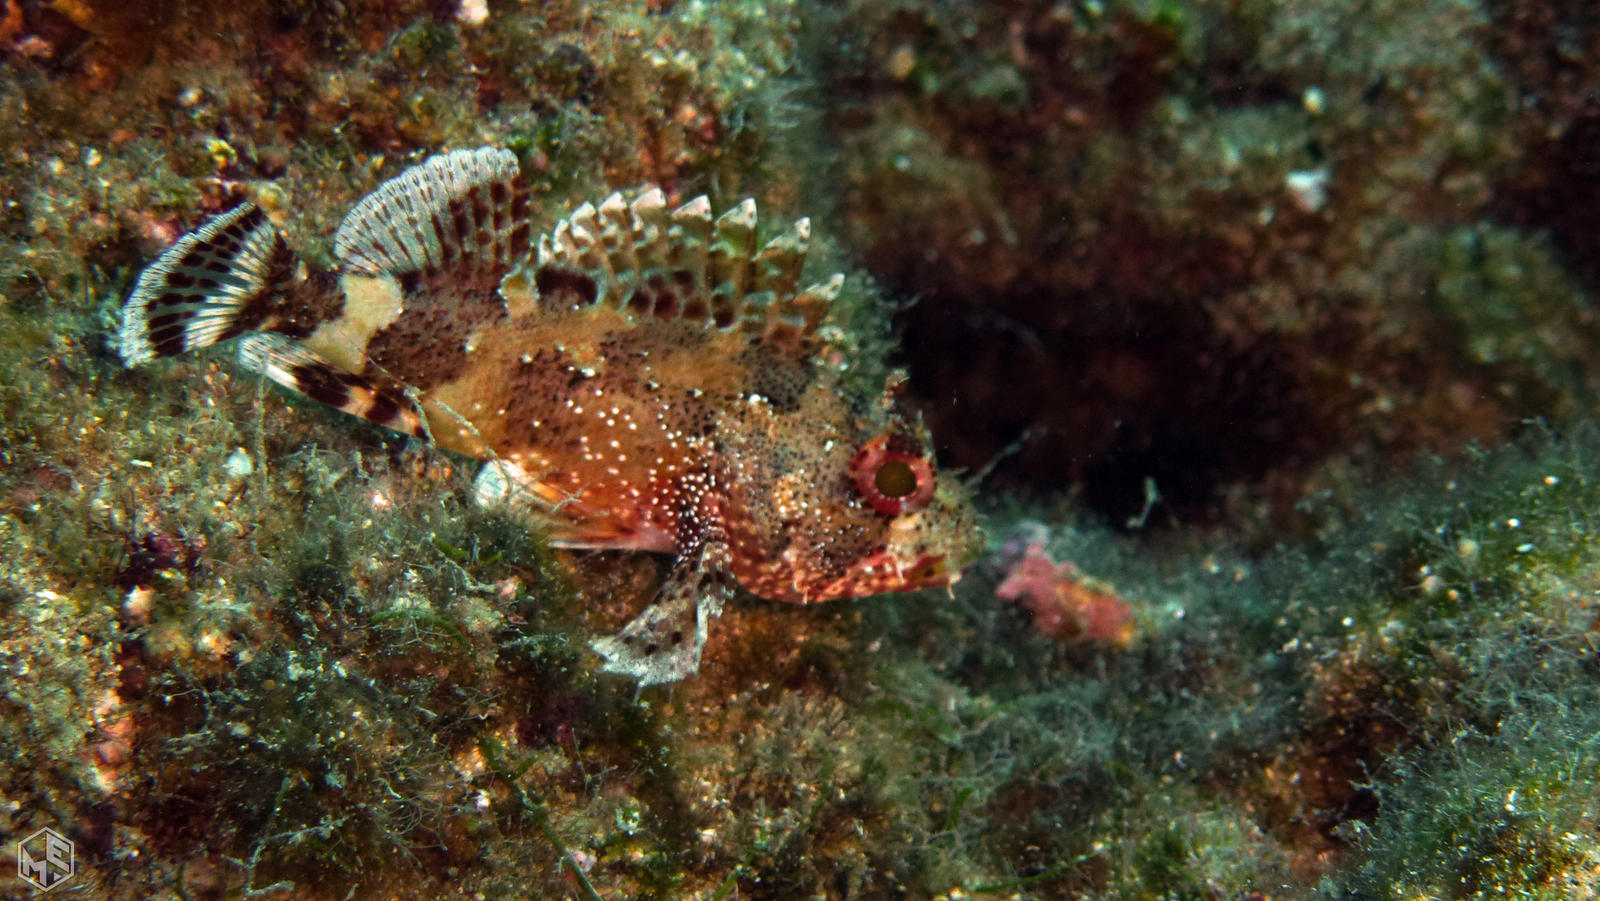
pixel 1064 603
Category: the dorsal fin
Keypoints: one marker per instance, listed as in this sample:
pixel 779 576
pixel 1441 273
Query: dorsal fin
pixel 461 214
pixel 440 238
pixel 651 263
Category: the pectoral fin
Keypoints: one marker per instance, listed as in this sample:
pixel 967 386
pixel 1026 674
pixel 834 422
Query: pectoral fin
pixel 664 643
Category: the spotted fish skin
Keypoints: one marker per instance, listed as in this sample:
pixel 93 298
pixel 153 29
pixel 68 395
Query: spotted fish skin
pixel 642 377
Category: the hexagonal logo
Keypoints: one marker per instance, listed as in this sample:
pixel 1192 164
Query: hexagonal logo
pixel 45 859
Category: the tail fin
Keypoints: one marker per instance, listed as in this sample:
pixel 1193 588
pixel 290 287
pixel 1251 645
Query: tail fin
pixel 215 283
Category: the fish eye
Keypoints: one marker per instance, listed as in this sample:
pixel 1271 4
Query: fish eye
pixel 895 478
pixel 891 481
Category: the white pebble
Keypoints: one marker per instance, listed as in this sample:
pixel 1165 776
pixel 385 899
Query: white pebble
pixel 238 465
pixel 1309 188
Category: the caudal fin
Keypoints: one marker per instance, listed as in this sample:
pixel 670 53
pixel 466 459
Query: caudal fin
pixel 214 284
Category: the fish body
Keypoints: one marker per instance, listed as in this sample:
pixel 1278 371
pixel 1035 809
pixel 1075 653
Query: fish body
pixel 641 377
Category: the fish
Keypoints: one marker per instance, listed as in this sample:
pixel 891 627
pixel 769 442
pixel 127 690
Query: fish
pixel 643 376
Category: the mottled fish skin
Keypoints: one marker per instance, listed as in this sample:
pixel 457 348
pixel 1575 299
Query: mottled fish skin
pixel 641 377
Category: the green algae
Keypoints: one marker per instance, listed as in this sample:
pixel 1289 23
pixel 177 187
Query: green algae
pixel 1503 812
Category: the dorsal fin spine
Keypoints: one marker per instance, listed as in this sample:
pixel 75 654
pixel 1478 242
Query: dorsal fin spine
pixel 813 303
pixel 688 243
pixel 585 238
pixel 732 247
pixel 778 264
pixel 617 237
pixel 589 254
pixel 651 223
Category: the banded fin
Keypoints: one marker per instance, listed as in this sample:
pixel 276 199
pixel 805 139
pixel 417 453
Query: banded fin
pixel 222 280
pixel 292 365
pixel 461 214
pixel 435 245
pixel 651 263
pixel 664 643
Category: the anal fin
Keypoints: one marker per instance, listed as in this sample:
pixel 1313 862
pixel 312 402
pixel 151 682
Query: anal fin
pixel 293 366
pixel 664 643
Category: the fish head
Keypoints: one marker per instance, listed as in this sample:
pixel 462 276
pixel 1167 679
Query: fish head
pixel 833 498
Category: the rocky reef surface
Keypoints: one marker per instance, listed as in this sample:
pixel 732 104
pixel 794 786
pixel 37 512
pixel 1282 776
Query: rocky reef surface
pixel 1268 327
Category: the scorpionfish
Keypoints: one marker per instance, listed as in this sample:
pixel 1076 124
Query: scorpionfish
pixel 642 377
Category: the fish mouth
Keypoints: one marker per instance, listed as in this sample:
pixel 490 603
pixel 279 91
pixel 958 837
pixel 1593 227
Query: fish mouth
pixel 926 549
pixel 932 571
